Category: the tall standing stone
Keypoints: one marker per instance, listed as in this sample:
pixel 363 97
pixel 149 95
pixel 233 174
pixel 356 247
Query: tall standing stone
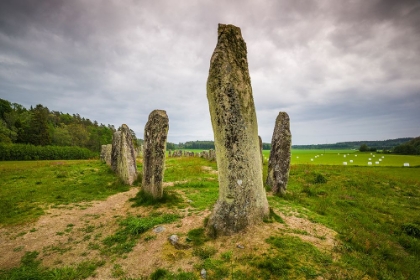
pixel 279 162
pixel 123 155
pixel 155 135
pixel 242 200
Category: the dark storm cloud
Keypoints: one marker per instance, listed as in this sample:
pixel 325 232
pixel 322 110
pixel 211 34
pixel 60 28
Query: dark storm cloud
pixel 327 63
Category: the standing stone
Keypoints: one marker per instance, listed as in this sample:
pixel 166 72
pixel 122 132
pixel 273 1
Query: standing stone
pixel 261 149
pixel 279 162
pixel 123 155
pixel 242 200
pixel 155 134
pixel 106 151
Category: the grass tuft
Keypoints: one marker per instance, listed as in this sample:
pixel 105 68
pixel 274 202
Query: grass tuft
pixel 124 240
pixel 144 199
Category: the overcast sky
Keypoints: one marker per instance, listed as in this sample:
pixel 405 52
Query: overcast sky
pixel 342 70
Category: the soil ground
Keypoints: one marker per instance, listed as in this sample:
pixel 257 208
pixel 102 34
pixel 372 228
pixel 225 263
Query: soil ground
pixel 67 236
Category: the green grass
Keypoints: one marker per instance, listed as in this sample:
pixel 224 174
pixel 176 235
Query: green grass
pixel 191 168
pixel 31 268
pixel 369 208
pixel 124 240
pixel 374 209
pixel 27 187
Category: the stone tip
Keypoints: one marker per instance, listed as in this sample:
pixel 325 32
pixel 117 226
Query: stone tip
pixel 228 27
pixel 159 112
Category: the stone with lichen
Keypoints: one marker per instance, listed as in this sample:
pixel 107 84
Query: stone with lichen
pixel 242 200
pixel 154 148
pixel 279 161
pixel 123 155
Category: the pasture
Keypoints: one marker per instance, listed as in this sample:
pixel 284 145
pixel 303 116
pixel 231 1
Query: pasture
pixel 352 157
pixel 75 220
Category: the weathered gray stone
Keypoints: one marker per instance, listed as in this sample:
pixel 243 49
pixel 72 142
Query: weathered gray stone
pixel 279 161
pixel 242 200
pixel 212 155
pixel 174 240
pixel 261 149
pixel 139 151
pixel 106 151
pixel 123 155
pixel 155 135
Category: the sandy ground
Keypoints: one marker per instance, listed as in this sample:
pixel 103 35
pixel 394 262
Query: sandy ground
pixel 66 236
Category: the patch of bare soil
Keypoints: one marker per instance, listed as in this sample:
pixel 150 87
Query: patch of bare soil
pixel 171 184
pixel 63 235
pixel 209 169
pixel 68 236
pixel 319 235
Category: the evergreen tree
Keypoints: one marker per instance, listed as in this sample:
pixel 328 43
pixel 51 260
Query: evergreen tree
pixel 39 126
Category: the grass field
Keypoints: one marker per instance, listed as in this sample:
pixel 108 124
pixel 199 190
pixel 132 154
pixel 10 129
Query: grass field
pixel 335 222
pixel 351 157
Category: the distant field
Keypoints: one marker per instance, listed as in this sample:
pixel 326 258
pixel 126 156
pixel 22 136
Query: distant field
pixel 338 157
pixel 352 157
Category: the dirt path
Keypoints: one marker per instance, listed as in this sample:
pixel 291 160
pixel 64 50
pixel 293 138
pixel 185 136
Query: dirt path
pixel 60 235
pixel 71 235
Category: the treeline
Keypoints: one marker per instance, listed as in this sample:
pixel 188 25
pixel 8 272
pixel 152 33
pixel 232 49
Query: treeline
pixel 200 145
pixel 411 147
pixel 41 127
pixel 373 145
pixel 31 152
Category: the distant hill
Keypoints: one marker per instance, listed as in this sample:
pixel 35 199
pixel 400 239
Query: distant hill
pixel 377 145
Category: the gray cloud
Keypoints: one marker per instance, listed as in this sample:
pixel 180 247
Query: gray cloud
pixel 349 70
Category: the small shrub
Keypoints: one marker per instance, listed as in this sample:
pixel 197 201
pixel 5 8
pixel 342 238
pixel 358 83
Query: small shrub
pixel 319 179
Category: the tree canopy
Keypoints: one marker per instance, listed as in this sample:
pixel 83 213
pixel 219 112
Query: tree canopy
pixel 41 127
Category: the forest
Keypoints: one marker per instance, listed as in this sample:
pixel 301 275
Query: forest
pixel 21 130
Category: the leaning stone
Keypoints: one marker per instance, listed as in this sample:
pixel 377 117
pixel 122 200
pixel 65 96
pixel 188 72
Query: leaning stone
pixel 123 158
pixel 155 134
pixel 242 200
pixel 279 161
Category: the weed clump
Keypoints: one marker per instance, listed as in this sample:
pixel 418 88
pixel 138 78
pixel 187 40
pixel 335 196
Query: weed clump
pixel 204 252
pixel 197 236
pixel 319 179
pixel 144 199
pixel 124 240
pixel 411 230
pixel 160 274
